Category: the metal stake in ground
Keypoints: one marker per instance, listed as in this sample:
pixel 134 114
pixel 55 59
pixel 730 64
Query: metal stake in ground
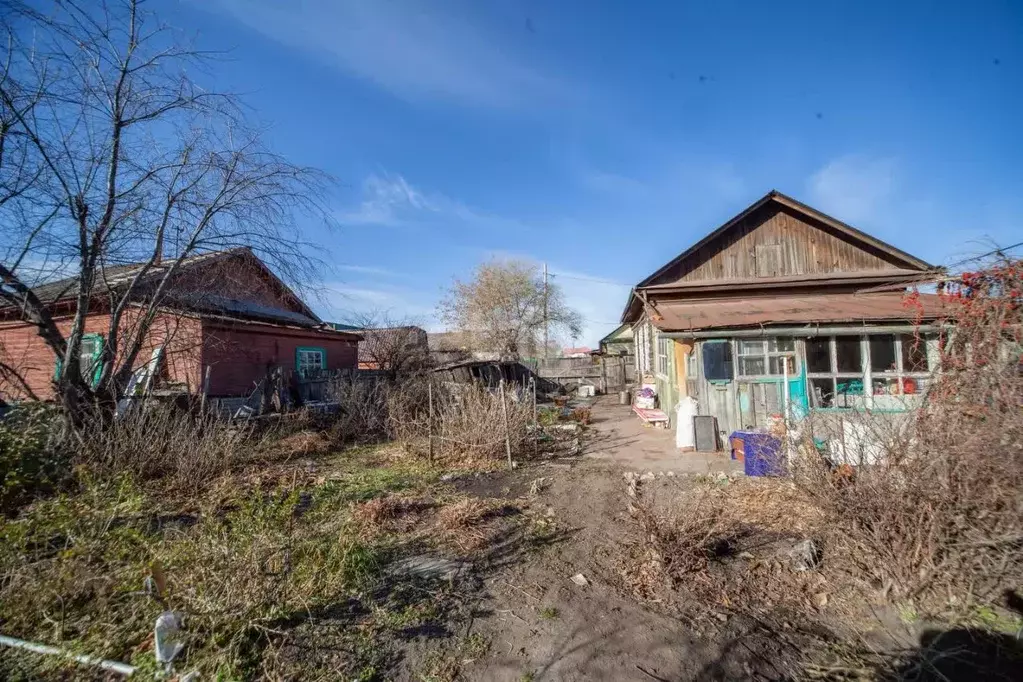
pixel 429 394
pixel 507 432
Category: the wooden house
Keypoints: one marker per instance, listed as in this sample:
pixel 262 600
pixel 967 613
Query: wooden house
pixel 784 292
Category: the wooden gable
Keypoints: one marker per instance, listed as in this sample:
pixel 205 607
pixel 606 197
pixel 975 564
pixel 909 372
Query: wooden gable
pixel 239 275
pixel 778 237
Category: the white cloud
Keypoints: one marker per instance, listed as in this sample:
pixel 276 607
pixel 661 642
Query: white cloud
pixel 389 200
pixel 342 302
pixel 370 270
pixel 411 49
pixel 854 188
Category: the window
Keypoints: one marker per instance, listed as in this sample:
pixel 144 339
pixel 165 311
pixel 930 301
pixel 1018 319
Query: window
pixel 310 361
pixel 836 369
pixel 717 361
pixel 663 354
pixel 766 357
pixel 88 358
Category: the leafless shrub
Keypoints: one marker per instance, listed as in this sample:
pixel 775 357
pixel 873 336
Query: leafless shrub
pixel 166 443
pixel 933 512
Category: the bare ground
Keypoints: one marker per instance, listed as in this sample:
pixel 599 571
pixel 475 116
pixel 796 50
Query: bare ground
pixel 538 623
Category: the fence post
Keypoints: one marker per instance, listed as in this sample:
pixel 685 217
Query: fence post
pixel 429 393
pixel 507 431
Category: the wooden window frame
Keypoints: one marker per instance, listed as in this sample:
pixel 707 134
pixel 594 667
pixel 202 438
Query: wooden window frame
pixel 94 359
pixel 766 355
pixel 309 349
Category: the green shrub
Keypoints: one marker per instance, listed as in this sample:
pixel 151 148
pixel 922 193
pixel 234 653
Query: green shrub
pixel 30 461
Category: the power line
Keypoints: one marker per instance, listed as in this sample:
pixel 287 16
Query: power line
pixel 590 279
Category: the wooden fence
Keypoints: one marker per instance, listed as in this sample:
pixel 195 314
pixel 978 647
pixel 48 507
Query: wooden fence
pixel 606 373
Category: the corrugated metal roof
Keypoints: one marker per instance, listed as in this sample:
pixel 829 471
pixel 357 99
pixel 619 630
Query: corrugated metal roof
pixel 758 311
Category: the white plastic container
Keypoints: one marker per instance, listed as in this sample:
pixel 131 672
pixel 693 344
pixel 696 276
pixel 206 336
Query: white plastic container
pixel 685 435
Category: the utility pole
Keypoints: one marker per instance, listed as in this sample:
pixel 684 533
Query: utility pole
pixel 545 339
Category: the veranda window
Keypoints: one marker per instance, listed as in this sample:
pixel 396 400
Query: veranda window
pixel 663 353
pixel 766 357
pixel 837 366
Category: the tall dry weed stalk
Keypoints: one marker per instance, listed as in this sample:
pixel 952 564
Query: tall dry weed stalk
pixel 937 516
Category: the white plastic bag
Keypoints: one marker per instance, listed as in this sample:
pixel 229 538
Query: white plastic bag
pixel 685 436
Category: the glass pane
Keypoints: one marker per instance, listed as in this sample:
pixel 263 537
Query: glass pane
pixel 848 392
pixel 882 353
pixel 748 347
pixel 822 392
pixel 818 354
pixel 782 344
pixel 778 363
pixel 751 366
pixel 886 387
pixel 914 353
pixel 848 355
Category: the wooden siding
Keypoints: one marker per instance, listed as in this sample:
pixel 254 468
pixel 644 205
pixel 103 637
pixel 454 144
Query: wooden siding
pixel 239 277
pixel 239 355
pixel 775 242
pixel 22 349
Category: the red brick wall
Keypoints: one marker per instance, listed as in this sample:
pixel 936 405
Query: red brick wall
pixel 22 349
pixel 240 354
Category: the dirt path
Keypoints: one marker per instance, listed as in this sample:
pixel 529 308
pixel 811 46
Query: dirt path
pixel 543 626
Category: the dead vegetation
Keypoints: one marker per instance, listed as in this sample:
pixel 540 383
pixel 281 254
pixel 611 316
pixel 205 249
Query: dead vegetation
pixel 929 526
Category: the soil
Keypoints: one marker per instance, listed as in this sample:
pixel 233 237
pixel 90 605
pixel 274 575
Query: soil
pixel 541 625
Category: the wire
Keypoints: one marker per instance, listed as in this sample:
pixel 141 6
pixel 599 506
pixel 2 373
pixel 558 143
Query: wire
pixel 589 279
pixel 1001 249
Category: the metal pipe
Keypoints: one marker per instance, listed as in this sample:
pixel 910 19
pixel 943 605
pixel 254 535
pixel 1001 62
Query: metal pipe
pixel 807 330
pixel 46 649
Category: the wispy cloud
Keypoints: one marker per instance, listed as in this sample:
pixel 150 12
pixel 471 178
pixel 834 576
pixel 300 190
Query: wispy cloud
pixel 343 302
pixel 855 188
pixel 370 270
pixel 389 200
pixel 414 50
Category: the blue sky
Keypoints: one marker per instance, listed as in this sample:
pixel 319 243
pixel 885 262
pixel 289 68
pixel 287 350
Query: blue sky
pixel 604 138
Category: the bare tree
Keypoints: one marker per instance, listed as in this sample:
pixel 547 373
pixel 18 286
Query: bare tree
pixel 395 345
pixel 506 307
pixel 111 155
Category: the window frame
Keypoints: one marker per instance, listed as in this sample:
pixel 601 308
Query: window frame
pixel 766 355
pixel 662 356
pixel 93 358
pixel 309 349
pixel 868 374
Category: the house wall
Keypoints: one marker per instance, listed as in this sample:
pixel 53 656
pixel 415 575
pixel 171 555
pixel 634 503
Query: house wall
pixel 239 354
pixel 774 242
pixel 22 349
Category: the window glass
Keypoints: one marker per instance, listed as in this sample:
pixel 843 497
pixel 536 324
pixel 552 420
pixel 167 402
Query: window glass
pixel 848 355
pixel 822 392
pixel 310 360
pixel 882 353
pixel 663 351
pixel 717 361
pixel 785 344
pixel 750 347
pixel 848 392
pixel 818 354
pixel 778 364
pixel 752 366
pixel 914 353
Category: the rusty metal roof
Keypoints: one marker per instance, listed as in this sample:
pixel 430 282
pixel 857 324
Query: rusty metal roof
pixel 767 310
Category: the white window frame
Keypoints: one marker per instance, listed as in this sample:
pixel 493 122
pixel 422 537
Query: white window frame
pixel 765 354
pixel 868 374
pixel 664 350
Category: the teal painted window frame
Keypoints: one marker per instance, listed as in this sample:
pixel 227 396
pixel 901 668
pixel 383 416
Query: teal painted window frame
pixel 97 371
pixel 307 349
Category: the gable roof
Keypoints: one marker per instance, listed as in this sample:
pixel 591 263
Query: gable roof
pixel 905 260
pixel 116 276
pixel 908 268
